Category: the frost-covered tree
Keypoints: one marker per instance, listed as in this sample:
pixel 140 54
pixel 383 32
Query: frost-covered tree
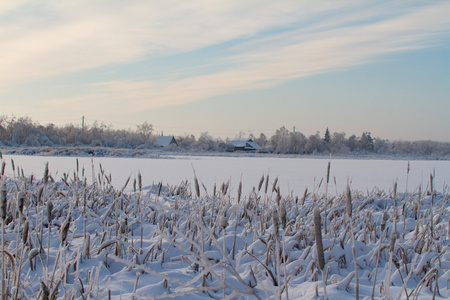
pixel 206 142
pixel 314 144
pixel 187 141
pixel 145 130
pixel 261 140
pixel 338 143
pixel 366 142
pixel 352 142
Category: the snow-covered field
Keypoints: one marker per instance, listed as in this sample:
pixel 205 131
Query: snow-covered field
pixel 77 237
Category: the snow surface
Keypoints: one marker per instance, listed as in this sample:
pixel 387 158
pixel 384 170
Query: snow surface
pixel 295 174
pixel 166 240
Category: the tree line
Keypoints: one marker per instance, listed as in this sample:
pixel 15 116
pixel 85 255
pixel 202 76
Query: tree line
pixel 24 132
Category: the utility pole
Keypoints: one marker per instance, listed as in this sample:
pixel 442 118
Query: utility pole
pixel 82 123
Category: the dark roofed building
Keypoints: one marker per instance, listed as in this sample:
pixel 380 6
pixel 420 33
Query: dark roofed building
pixel 165 141
pixel 245 145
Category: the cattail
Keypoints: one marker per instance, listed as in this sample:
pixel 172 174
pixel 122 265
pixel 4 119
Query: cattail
pixel 20 201
pixel 26 227
pixel 431 184
pixel 49 211
pixel 140 181
pixel 87 247
pixel 46 173
pixel 227 185
pixel 278 198
pixel 40 191
pixel 267 184
pixel 318 238
pixel 45 293
pixel 384 218
pixel 32 255
pixel 261 181
pixel 348 201
pixel 305 194
pixel 197 187
pixel 395 194
pixel 239 191
pixel 328 173
pixel 283 215
pixel 392 241
pixel 3 200
pixel 159 189
pixel 274 186
pixel 275 221
pixel 65 229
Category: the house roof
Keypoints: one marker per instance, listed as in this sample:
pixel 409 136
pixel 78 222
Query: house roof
pixel 246 144
pixel 164 141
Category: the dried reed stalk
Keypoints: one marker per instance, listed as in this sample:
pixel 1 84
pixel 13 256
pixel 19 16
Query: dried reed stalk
pixel 319 247
pixel 348 200
pixel 3 207
pixel 326 199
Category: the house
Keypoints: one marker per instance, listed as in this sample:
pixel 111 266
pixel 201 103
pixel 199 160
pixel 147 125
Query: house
pixel 245 145
pixel 165 141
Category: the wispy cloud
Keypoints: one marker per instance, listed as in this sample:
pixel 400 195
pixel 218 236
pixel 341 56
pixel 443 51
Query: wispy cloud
pixel 273 42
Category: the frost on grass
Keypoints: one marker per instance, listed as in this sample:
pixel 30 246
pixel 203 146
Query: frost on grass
pixel 71 240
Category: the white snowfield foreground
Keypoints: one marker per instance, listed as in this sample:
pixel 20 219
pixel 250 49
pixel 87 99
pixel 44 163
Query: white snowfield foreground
pixel 67 239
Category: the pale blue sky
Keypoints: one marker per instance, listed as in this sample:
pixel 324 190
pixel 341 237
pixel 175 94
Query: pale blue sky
pixel 230 66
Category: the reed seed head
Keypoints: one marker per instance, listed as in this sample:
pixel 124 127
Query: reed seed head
pixel 283 215
pixel 328 172
pixel 278 198
pixel 3 200
pixel 159 189
pixel 45 293
pixel 140 181
pixel 348 201
pixel 65 229
pixel 384 218
pixel 395 188
pixel 239 191
pixel 39 195
pixel 318 238
pixel 26 227
pixel 46 173
pixel 20 201
pixel 274 186
pixel 197 187
pixel 392 241
pixel 49 211
pixel 261 181
pixel 275 221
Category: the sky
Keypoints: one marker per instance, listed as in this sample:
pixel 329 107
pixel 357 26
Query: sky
pixel 230 67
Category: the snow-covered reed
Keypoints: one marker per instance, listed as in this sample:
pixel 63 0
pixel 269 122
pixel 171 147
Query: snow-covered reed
pixel 75 239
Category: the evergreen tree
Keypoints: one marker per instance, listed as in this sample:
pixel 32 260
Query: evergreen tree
pixel 327 137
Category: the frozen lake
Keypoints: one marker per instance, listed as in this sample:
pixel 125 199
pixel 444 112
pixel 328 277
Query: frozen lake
pixel 294 174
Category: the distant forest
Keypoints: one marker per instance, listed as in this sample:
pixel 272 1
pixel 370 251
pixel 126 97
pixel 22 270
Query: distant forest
pixel 23 132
